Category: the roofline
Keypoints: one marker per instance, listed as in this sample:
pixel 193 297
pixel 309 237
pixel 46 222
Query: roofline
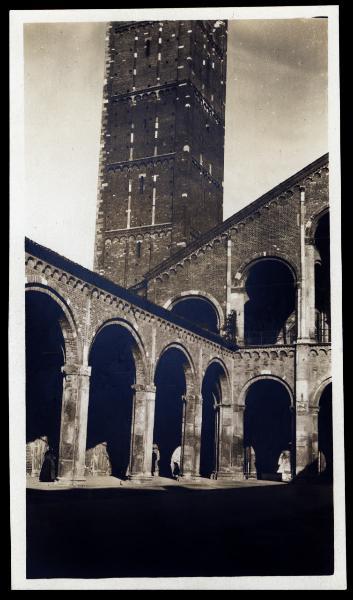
pixel 91 277
pixel 238 216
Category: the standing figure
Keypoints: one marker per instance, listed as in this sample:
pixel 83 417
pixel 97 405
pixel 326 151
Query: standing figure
pixel 48 470
pixel 175 463
pixel 155 460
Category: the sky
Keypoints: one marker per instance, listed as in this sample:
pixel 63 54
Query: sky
pixel 276 119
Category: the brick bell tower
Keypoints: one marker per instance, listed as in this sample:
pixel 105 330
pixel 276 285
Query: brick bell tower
pixel 162 142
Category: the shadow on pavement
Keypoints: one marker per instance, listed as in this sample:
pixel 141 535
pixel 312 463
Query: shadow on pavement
pixel 178 531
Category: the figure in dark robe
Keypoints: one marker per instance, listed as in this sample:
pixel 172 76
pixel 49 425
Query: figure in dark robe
pixel 48 471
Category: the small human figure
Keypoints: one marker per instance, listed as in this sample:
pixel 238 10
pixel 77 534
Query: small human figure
pixel 48 470
pixel 155 460
pixel 175 463
pixel 284 466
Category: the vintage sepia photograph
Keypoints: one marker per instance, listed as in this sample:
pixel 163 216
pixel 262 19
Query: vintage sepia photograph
pixel 176 398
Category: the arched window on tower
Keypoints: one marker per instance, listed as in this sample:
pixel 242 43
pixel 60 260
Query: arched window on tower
pixel 138 249
pixel 148 47
pixel 142 183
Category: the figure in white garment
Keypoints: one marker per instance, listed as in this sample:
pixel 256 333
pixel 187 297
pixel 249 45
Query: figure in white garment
pixel 175 463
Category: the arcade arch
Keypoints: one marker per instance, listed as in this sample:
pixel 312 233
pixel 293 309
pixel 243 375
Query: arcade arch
pixel 268 428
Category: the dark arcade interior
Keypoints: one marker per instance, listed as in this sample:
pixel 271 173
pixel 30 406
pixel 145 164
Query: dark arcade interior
pixel 111 395
pixel 170 387
pixel 269 284
pixel 199 311
pixel 45 349
pixel 267 425
pixel 322 279
pixel 325 433
pixel 211 398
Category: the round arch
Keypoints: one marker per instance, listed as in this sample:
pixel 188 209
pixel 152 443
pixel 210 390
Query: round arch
pixel 194 294
pixel 319 390
pixel 215 392
pixel 311 225
pixel 268 428
pixel 176 345
pixel 138 348
pixel 221 363
pixel 246 266
pixel 249 383
pixel 73 347
pixel 174 378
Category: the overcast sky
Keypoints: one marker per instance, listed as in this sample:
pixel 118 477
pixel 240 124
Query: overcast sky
pixel 276 119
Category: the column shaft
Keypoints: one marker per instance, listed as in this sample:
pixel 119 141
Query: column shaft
pixel 74 415
pixel 142 432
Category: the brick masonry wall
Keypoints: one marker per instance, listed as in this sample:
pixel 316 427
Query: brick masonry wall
pixel 271 230
pixel 88 307
pixel 159 117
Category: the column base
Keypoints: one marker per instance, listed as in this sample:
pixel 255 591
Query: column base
pixel 71 480
pixel 230 475
pixel 142 477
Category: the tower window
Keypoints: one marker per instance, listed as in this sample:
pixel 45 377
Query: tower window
pixel 148 48
pixel 138 249
pixel 142 184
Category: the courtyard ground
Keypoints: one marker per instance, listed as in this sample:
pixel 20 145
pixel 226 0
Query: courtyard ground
pixel 178 529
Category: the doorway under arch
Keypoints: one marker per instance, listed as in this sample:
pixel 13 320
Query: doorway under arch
pixel 110 402
pixel 268 427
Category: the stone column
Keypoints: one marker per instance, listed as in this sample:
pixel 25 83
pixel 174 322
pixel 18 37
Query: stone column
pixel 306 283
pixel 225 469
pixel 74 414
pixel 238 299
pixel 142 432
pixel 309 292
pixel 303 425
pixel 314 412
pixel 191 436
pixel 238 442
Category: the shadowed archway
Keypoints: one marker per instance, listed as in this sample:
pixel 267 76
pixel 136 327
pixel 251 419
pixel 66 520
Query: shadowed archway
pixel 270 283
pixel 199 310
pixel 172 380
pixel 267 425
pixel 212 391
pixel 112 358
pixel 325 433
pixel 45 355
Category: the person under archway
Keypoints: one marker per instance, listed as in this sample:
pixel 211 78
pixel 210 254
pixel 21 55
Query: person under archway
pixel 155 460
pixel 175 463
pixel 48 470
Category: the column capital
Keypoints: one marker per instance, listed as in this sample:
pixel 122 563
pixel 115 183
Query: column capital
pixel 189 398
pixel 140 387
pixel 74 369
